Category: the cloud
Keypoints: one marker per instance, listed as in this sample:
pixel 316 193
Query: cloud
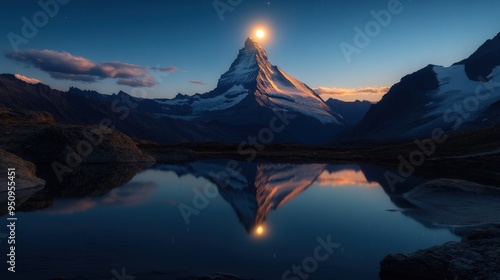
pixel 27 79
pixel 65 66
pixel 367 93
pixel 196 82
pixel 170 69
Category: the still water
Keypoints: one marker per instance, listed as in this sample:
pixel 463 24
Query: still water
pixel 262 221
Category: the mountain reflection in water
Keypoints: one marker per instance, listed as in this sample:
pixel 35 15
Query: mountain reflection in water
pixel 268 214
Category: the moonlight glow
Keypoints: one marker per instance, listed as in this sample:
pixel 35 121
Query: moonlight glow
pixel 260 33
pixel 260 230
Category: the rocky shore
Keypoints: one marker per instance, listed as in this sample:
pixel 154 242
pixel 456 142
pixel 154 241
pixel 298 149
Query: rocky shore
pixel 476 257
pixel 471 209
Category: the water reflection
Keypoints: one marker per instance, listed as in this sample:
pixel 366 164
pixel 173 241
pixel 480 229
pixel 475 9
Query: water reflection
pixel 351 176
pixel 264 215
pixel 86 182
pixel 130 194
pixel 258 189
pixel 253 190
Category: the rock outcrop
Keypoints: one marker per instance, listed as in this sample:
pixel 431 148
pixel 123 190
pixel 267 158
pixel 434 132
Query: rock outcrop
pixel 35 137
pixel 25 177
pixel 476 257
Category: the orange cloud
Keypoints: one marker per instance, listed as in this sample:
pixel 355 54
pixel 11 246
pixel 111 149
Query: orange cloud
pixel 373 94
pixel 27 79
pixel 344 178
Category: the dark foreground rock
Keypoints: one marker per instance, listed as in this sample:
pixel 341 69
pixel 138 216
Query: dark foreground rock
pixel 26 182
pixel 70 145
pixel 476 257
pixel 25 177
pixel 35 136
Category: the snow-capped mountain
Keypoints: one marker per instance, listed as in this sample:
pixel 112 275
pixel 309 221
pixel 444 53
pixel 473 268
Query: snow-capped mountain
pixel 460 97
pixel 251 85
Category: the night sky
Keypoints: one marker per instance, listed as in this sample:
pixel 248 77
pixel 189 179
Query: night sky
pixel 165 47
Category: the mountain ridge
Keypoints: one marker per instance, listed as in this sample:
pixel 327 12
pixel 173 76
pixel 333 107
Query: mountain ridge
pixel 252 93
pixel 464 96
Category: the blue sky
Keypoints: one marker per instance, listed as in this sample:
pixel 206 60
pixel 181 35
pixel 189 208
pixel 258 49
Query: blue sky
pixel 192 46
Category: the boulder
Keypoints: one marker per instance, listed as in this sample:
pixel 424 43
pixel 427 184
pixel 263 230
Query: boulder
pixel 27 183
pixel 25 177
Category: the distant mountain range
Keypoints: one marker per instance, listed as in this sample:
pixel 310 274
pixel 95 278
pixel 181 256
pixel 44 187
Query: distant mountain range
pixel 256 101
pixel 351 112
pixel 250 97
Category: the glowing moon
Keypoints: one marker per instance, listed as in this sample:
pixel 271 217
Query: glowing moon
pixel 260 230
pixel 260 33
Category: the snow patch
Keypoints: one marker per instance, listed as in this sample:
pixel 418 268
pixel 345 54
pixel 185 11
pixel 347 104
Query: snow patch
pixel 221 102
pixel 456 88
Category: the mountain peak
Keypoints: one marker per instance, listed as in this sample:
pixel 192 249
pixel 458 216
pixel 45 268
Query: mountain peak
pixel 251 44
pixel 270 86
pixel 245 69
